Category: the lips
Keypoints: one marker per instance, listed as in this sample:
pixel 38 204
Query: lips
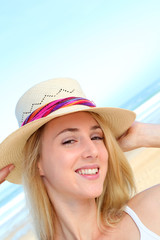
pixel 88 170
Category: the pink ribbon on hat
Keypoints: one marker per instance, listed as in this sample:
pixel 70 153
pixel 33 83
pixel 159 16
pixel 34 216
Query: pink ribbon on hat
pixel 45 110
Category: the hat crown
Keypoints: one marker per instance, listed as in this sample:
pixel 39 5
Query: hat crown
pixel 46 92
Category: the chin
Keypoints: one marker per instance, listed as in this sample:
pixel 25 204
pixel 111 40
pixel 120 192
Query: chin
pixel 94 194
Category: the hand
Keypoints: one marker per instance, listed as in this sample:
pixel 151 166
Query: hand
pixel 140 135
pixel 5 171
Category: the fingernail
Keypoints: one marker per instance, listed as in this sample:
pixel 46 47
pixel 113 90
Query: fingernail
pixel 11 167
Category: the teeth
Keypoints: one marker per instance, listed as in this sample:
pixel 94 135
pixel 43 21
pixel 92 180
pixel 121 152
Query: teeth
pixel 88 171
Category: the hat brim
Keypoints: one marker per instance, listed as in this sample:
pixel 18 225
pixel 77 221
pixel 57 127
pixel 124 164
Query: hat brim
pixel 118 120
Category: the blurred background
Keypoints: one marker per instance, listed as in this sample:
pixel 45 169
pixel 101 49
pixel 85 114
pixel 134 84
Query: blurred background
pixel 111 47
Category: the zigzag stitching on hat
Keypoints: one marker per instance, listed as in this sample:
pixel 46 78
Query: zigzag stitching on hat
pixel 45 96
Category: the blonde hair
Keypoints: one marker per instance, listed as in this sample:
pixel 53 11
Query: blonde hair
pixel 119 185
pixel 118 188
pixel 40 206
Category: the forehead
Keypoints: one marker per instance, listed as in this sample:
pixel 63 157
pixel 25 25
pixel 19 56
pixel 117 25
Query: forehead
pixel 72 120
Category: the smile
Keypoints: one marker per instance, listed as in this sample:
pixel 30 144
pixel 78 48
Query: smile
pixel 89 171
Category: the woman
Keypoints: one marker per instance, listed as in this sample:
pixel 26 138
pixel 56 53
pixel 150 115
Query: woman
pixel 77 180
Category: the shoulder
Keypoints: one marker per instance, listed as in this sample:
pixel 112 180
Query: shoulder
pixel 146 205
pixel 149 197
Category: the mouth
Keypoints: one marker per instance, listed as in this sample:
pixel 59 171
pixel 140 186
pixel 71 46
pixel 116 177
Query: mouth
pixel 87 171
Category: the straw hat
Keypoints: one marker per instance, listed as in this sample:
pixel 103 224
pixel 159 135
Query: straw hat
pixel 48 100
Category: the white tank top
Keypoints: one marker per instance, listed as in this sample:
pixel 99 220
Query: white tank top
pixel 145 233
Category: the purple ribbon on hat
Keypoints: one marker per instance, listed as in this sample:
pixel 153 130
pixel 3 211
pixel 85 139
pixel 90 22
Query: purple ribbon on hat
pixel 45 110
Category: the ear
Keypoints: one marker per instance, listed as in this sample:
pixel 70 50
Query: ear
pixel 41 173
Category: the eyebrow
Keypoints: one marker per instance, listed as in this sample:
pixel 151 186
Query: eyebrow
pixel 76 129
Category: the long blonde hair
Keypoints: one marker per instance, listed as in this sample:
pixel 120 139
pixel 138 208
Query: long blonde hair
pixel 118 186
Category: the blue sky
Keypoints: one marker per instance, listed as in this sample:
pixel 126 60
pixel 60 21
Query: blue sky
pixel 111 47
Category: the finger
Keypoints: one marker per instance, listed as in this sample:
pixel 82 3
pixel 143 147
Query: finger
pixel 5 171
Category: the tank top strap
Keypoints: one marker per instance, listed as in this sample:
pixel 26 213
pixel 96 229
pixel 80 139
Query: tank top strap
pixel 145 233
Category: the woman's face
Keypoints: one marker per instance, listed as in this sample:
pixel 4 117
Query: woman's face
pixel 74 159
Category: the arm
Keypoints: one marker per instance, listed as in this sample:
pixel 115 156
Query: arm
pixel 5 171
pixel 146 204
pixel 140 135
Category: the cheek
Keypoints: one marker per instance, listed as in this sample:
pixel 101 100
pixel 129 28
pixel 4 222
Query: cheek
pixel 54 166
pixel 50 173
pixel 104 160
pixel 104 154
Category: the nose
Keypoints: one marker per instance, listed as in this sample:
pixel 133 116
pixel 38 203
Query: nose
pixel 90 150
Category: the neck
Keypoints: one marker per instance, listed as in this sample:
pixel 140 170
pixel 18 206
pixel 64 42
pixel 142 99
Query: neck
pixel 77 220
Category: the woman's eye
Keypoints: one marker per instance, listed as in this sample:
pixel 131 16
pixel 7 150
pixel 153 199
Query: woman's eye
pixel 97 138
pixel 71 141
